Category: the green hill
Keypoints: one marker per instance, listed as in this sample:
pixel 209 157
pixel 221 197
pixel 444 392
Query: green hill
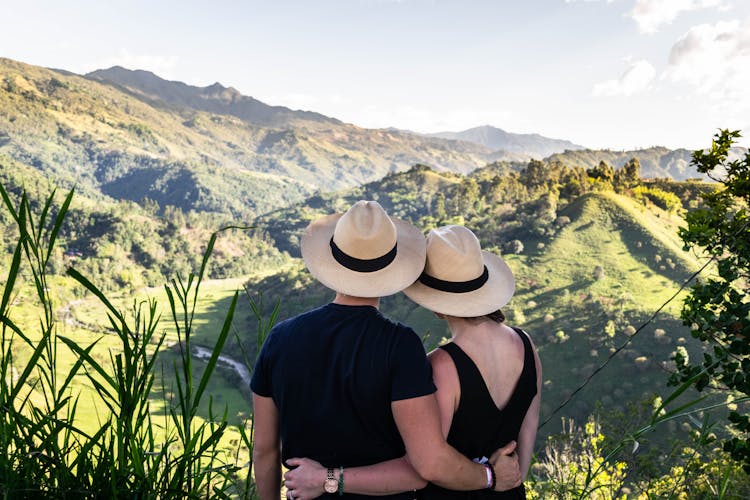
pixel 602 266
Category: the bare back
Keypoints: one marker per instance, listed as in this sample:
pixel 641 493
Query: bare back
pixel 498 353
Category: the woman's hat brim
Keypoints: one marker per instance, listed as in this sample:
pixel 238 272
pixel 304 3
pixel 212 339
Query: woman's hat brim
pixel 490 297
pixel 400 273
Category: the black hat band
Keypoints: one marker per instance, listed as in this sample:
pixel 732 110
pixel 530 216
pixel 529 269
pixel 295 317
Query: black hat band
pixel 455 286
pixel 362 265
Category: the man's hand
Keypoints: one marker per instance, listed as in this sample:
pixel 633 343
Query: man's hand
pixel 306 480
pixel 507 471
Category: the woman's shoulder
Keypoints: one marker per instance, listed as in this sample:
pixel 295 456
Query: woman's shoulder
pixel 439 356
pixel 443 367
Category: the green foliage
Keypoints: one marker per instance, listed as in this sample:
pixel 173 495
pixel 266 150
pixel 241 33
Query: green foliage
pixel 718 308
pixel 129 247
pixel 662 199
pixel 575 466
pixel 582 462
pixel 44 453
pixel 603 172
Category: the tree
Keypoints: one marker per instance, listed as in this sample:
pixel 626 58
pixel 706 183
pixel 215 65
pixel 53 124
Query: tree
pixel 718 307
pixel 629 175
pixel 439 210
pixel 535 174
pixel 603 171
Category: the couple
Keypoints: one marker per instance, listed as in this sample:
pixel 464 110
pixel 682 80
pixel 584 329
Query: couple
pixel 354 393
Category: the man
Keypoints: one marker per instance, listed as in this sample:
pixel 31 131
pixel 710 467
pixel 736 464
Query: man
pixel 347 387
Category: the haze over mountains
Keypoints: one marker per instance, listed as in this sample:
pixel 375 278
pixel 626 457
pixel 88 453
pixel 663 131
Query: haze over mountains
pixel 132 135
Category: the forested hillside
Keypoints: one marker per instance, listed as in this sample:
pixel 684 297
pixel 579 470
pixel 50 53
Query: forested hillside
pixel 128 246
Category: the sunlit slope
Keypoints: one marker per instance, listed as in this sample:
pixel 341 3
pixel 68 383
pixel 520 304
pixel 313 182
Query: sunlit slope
pixel 637 248
pixel 587 290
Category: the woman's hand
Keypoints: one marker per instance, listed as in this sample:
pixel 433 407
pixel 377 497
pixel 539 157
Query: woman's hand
pixel 305 481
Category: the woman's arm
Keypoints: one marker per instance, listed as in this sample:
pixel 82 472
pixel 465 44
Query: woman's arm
pixel 384 478
pixel 266 448
pixel 527 433
pixel 448 393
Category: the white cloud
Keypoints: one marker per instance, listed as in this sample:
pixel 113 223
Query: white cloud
pixel 635 79
pixel 715 60
pixel 651 14
pixel 162 66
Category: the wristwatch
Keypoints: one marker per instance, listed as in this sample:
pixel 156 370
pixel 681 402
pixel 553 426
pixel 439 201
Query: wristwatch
pixel 331 485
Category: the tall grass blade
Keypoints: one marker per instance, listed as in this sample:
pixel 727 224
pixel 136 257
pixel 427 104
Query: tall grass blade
pixel 58 224
pixel 220 341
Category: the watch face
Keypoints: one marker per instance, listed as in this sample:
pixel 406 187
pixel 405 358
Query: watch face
pixel 331 486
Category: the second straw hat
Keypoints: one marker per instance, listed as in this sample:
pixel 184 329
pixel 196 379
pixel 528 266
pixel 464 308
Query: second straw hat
pixel 459 278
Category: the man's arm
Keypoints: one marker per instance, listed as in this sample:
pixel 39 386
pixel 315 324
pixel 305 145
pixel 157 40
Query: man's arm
pixel 266 448
pixel 384 478
pixel 435 460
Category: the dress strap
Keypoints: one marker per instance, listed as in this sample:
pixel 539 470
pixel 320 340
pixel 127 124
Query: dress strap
pixel 529 363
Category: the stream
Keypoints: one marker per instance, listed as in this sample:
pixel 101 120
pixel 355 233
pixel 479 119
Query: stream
pixel 240 368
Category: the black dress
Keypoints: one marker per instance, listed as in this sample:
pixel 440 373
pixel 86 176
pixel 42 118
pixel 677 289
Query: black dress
pixel 479 427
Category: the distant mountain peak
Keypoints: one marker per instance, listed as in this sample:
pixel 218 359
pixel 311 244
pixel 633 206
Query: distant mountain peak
pixel 530 145
pixel 219 91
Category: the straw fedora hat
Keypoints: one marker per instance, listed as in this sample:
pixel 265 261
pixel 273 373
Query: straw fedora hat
pixel 363 252
pixel 459 278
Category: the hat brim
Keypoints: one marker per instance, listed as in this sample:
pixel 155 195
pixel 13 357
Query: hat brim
pixel 402 272
pixel 493 295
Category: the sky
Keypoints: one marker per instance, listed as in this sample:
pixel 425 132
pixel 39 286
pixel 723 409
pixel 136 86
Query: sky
pixel 618 74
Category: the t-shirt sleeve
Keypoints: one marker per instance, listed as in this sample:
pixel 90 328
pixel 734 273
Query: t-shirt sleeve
pixel 260 383
pixel 410 369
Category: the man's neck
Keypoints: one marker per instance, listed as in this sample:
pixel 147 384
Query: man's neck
pixel 349 300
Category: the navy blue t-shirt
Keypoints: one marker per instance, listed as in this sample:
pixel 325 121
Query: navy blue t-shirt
pixel 333 373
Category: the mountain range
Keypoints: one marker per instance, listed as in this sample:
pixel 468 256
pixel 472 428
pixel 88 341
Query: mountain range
pixel 132 135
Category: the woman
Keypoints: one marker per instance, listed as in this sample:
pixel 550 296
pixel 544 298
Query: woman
pixel 488 378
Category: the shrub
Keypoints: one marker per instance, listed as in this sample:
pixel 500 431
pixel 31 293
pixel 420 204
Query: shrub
pixel 662 199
